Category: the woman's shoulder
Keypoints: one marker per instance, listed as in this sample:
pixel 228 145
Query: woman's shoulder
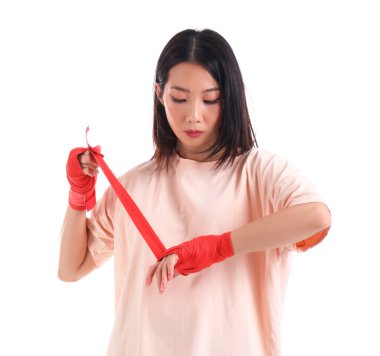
pixel 140 171
pixel 261 155
pixel 264 161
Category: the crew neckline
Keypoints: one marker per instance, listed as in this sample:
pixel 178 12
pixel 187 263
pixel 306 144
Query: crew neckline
pixel 193 160
pixel 186 162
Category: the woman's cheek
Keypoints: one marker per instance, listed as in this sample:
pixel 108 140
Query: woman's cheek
pixel 174 112
pixel 215 112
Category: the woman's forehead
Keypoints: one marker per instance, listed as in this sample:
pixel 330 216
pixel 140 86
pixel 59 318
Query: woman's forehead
pixel 187 77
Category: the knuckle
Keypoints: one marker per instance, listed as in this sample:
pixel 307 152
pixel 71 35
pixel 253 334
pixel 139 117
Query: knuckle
pixel 152 268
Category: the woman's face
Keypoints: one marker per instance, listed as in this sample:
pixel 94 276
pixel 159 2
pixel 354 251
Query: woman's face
pixel 192 101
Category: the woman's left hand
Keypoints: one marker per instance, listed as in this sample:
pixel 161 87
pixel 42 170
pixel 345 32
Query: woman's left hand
pixel 164 271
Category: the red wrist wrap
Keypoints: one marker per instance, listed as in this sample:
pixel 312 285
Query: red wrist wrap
pixel 201 252
pixel 82 187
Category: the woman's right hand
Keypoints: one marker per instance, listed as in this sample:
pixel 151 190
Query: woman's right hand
pixel 81 172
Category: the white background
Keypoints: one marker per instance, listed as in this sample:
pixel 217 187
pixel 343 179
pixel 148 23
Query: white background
pixel 312 76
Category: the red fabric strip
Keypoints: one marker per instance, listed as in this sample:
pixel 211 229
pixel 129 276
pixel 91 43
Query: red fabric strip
pixel 130 206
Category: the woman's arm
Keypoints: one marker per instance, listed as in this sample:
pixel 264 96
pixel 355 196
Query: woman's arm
pixel 287 227
pixel 281 229
pixel 75 261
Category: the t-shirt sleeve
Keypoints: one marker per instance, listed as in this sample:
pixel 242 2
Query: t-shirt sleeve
pixel 100 228
pixel 286 186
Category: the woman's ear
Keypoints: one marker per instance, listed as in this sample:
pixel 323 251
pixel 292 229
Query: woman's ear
pixel 157 89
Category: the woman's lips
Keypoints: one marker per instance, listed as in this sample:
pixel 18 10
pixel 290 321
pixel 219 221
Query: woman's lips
pixel 193 133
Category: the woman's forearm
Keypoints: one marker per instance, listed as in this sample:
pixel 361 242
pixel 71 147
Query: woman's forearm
pixel 73 243
pixel 281 229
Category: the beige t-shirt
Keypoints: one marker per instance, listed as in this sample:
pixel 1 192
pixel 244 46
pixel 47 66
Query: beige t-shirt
pixel 230 308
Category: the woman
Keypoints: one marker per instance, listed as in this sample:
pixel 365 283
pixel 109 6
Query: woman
pixel 230 212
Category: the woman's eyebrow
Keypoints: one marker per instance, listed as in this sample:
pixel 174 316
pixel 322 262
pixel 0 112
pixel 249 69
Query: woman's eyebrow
pixel 176 87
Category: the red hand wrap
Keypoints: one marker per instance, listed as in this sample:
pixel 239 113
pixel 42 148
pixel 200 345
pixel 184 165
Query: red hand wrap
pixel 201 252
pixel 82 187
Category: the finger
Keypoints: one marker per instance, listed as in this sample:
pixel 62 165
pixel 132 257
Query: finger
pixel 159 275
pixel 87 161
pixel 170 266
pixel 93 160
pixel 86 156
pixel 88 171
pixel 149 277
pixel 164 277
pixel 88 165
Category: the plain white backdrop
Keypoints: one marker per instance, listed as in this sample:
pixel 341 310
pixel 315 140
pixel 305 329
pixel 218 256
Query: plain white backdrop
pixel 312 77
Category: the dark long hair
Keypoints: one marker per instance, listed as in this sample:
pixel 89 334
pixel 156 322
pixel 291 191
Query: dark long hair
pixel 210 50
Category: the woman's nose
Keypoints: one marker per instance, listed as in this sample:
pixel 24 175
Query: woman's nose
pixel 195 113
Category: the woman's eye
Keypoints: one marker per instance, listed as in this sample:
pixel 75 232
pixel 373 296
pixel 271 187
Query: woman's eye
pixel 208 102
pixel 178 100
pixel 211 102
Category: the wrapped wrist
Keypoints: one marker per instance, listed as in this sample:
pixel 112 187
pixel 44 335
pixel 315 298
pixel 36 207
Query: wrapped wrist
pixel 201 252
pixel 79 201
